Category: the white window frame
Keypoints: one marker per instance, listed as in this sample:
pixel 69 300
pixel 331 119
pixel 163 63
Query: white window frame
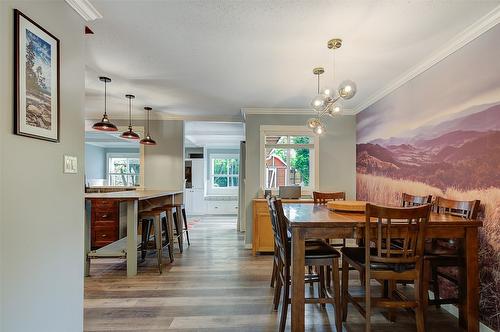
pixel 123 155
pixel 221 190
pixel 271 130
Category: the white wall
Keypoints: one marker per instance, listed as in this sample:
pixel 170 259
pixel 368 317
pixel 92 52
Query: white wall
pixel 41 214
pixel 337 156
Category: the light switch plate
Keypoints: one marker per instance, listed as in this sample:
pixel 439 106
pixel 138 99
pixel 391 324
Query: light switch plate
pixel 70 164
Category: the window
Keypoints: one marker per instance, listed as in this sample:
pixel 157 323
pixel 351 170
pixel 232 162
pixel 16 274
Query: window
pixel 224 171
pixel 123 169
pixel 288 157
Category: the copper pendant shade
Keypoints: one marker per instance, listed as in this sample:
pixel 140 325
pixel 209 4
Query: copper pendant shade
pixel 129 134
pixel 105 124
pixel 147 140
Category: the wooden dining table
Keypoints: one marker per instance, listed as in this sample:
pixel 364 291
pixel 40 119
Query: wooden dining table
pixel 307 221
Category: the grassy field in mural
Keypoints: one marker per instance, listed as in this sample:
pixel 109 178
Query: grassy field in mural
pixel 384 190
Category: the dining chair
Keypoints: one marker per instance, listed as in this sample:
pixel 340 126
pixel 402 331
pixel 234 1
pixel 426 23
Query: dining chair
pixel 324 197
pixel 381 261
pixel 412 200
pixel 317 253
pixel 448 253
pixel 321 198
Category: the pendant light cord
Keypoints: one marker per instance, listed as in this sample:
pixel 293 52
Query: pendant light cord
pixel 318 82
pixel 147 124
pixel 105 94
pixel 130 112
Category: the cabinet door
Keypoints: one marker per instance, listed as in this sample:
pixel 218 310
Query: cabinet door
pixel 199 204
pixel 197 173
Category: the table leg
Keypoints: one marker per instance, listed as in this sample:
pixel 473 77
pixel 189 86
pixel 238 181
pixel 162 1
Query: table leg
pixel 298 262
pixel 469 311
pixel 132 217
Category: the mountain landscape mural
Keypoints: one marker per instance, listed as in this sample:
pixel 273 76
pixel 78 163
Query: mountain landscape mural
pixel 439 134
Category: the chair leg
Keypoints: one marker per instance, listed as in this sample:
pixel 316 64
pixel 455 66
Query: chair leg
pixel 345 288
pixel 321 285
pixel 167 238
pixel 286 300
pixel 186 225
pixel 368 303
pixel 146 229
pixel 158 240
pixel 391 287
pixel 336 294
pixel 278 286
pixel 435 285
pixel 419 310
pixel 328 275
pixel 273 275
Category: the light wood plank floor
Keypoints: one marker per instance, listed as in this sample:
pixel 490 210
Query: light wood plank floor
pixel 215 285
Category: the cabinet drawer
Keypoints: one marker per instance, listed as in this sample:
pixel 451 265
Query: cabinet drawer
pixel 102 233
pixel 104 206
pixel 105 216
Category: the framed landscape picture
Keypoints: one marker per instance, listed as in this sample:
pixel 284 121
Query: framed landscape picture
pixel 36 80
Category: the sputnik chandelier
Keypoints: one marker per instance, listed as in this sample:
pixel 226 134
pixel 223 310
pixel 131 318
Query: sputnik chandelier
pixel 328 101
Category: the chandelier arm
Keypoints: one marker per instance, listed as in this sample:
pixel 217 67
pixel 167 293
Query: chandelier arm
pixel 328 106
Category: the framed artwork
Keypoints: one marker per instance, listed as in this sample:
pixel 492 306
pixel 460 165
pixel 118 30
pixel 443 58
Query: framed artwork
pixel 36 57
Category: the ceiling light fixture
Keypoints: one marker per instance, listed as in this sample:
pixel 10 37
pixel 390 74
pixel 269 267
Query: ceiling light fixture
pixel 327 101
pixel 104 124
pixel 129 133
pixel 147 140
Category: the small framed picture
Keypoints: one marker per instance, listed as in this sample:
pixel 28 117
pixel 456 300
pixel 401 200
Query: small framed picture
pixel 36 80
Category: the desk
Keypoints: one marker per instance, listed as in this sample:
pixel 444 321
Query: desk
pixel 314 221
pixel 136 200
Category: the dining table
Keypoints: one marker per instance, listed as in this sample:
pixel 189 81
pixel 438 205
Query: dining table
pixel 308 221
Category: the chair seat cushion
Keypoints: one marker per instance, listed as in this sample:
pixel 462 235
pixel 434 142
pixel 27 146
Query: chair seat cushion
pixel 318 249
pixel 358 255
pixel 442 247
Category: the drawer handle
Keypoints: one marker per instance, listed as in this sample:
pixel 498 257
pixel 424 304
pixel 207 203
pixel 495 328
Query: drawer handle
pixel 104 215
pixel 104 235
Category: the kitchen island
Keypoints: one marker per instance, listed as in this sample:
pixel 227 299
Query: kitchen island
pixel 133 202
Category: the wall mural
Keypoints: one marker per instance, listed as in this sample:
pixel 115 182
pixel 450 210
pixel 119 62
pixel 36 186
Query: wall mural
pixel 439 134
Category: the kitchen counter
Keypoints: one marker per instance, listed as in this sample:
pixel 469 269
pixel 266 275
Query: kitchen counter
pixel 133 194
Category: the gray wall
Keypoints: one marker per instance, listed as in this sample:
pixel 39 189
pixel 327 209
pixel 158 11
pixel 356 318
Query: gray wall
pixel 95 162
pixel 164 162
pixel 337 156
pixel 42 216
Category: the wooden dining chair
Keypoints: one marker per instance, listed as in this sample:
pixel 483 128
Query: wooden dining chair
pixel 322 197
pixel 317 253
pixel 412 200
pixel 381 261
pixel 448 253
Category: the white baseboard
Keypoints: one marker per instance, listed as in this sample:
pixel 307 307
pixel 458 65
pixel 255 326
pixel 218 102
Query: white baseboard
pixel 248 246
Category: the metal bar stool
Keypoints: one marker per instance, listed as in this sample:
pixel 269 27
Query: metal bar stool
pixel 158 220
pixel 173 220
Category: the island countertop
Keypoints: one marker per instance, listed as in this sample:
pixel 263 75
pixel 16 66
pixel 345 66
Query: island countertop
pixel 140 194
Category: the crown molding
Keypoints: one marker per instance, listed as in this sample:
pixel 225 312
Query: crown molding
pixel 475 30
pixel 283 111
pixel 85 9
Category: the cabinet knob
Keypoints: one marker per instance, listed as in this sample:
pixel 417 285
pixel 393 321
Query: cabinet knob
pixel 104 235
pixel 104 215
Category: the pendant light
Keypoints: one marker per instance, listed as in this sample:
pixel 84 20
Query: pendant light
pixel 129 133
pixel 147 140
pixel 104 124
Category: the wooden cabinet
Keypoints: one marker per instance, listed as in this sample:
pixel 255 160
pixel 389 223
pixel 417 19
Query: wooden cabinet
pixel 263 238
pixel 105 222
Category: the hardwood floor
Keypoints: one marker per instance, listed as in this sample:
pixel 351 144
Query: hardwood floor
pixel 215 285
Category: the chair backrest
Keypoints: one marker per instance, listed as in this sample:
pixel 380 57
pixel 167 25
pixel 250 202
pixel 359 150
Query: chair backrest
pixel 322 198
pixel 412 200
pixel 465 209
pixel 404 224
pixel 282 229
pixel 272 215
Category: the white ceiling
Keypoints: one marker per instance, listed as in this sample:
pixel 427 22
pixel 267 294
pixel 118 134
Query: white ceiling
pixel 208 59
pixel 213 134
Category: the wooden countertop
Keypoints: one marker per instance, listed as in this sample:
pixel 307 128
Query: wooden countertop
pixel 286 200
pixel 133 194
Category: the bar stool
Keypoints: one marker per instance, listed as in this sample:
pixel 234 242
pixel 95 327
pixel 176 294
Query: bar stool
pixel 157 220
pixel 183 221
pixel 173 220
